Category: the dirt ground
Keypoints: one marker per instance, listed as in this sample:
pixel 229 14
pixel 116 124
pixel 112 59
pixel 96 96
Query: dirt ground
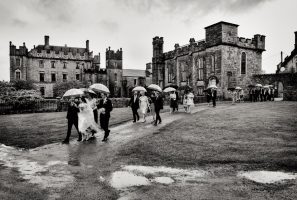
pixel 215 143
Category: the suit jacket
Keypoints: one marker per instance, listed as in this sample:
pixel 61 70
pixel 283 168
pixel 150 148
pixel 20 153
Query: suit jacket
pixel 106 105
pixel 158 103
pixel 134 105
pixel 214 94
pixel 72 112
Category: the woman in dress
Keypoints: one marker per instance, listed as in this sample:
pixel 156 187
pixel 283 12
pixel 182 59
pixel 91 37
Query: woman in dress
pixel 86 122
pixel 143 105
pixel 190 102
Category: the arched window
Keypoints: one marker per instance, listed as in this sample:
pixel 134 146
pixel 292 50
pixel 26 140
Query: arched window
pixel 243 63
pixel 17 74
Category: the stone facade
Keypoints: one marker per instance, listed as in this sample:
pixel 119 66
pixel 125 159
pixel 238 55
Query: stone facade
pixel 47 64
pixel 223 59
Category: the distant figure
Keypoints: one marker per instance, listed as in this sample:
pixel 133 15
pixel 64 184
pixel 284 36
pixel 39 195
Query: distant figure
pixel 190 102
pixel 185 99
pixel 214 96
pixel 172 101
pixel 105 107
pixel 143 105
pixel 158 107
pixel 262 93
pixel 176 102
pixel 272 94
pixel 134 103
pixel 254 95
pixel 152 105
pixel 251 95
pixel 72 117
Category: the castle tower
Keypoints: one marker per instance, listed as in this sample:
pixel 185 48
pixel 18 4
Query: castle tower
pixel 18 62
pixel 114 68
pixel 158 64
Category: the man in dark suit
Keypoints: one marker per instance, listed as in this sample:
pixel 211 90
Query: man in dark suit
pixel 134 103
pixel 158 106
pixel 72 118
pixel 214 96
pixel 105 107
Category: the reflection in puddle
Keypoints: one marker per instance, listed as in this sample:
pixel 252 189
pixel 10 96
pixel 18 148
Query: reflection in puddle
pixel 267 176
pixel 163 180
pixel 123 179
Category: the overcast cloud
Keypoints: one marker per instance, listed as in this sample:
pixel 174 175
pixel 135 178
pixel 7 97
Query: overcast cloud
pixel 131 25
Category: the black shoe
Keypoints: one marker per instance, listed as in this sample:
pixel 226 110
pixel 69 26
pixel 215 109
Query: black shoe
pixel 134 121
pixel 104 140
pixel 155 124
pixel 79 139
pixel 160 122
pixel 65 142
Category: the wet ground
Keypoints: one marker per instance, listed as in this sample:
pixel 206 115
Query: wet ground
pixel 96 170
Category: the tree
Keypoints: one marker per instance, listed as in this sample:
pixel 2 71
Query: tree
pixel 5 87
pixel 60 88
pixel 24 85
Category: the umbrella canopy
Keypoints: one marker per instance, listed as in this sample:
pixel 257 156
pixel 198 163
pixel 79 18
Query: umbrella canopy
pixel 271 86
pixel 169 89
pixel 258 85
pixel 251 86
pixel 171 85
pixel 139 89
pixel 213 86
pixel 98 87
pixel 231 89
pixel 266 86
pixel 87 90
pixel 73 93
pixel 155 87
pixel 238 88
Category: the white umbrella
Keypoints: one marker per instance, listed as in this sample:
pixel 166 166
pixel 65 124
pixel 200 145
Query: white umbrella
pixel 98 87
pixel 238 88
pixel 191 95
pixel 258 85
pixel 73 93
pixel 266 86
pixel 169 89
pixel 155 87
pixel 87 90
pixel 213 86
pixel 139 89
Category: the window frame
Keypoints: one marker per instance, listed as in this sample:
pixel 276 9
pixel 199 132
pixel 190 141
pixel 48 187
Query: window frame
pixel 41 63
pixel 241 63
pixel 54 78
pixel 43 75
pixel 17 72
pixel 64 80
pixel 53 64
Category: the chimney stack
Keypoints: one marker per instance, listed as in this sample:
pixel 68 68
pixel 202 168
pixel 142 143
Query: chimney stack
pixel 295 39
pixel 87 45
pixel 46 40
pixel 281 57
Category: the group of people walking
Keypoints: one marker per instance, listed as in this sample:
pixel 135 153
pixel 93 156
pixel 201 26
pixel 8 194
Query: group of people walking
pixel 83 114
pixel 152 104
pixel 261 94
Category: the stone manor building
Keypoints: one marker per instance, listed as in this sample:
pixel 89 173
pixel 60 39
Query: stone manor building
pixel 222 59
pixel 48 64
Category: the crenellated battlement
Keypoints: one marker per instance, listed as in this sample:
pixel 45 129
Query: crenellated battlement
pixel 21 51
pixel 114 55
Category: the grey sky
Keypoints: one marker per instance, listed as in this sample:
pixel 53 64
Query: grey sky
pixel 131 25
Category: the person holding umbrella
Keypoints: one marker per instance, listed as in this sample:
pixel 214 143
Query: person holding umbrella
pixel 134 104
pixel 144 105
pixel 158 107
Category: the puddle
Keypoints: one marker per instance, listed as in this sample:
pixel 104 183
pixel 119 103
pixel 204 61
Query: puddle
pixel 267 176
pixel 163 180
pixel 133 175
pixel 124 179
pixel 52 174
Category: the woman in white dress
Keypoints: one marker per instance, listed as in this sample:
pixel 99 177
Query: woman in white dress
pixel 190 102
pixel 143 105
pixel 86 122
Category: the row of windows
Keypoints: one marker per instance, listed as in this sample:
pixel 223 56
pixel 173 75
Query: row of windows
pixel 201 65
pixel 53 64
pixel 53 77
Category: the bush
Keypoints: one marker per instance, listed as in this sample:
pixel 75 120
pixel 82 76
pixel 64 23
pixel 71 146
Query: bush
pixel 24 85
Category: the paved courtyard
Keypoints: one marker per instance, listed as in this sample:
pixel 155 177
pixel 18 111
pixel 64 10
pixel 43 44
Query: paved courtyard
pixel 242 151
